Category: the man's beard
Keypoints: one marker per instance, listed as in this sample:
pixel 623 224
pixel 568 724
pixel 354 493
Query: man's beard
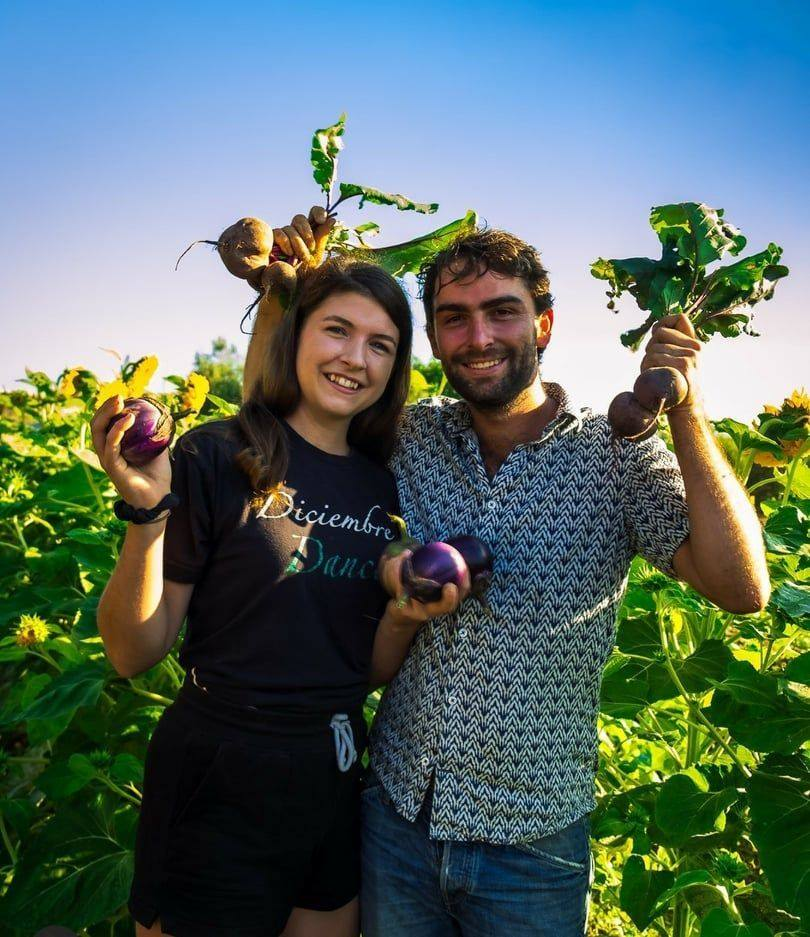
pixel 521 370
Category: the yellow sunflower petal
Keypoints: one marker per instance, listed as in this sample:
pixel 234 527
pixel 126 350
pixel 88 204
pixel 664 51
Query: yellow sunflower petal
pixel 142 375
pixel 110 390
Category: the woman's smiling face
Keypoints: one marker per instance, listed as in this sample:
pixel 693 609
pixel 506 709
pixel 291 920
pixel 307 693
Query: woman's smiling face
pixel 346 353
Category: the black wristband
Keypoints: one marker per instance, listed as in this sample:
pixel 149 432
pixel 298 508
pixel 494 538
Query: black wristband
pixel 126 512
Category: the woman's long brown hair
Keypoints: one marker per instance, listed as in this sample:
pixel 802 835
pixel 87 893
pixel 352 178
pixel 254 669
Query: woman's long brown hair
pixel 277 393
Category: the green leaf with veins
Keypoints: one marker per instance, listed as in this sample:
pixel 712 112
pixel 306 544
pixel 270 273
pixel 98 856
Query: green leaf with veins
pixel 697 233
pixel 399 259
pixel 798 669
pixel 787 530
pixel 718 923
pixel 682 810
pixel 326 144
pixel 367 194
pixel 779 798
pixel 641 889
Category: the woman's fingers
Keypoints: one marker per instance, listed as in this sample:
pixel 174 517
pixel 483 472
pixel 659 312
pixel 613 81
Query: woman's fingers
pixel 317 215
pixel 113 460
pixel 303 228
pixel 298 248
pixel 101 421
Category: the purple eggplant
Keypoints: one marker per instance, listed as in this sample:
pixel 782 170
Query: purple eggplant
pixel 150 434
pixel 431 567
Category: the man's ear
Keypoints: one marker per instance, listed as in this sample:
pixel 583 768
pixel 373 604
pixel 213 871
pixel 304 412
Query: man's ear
pixel 543 322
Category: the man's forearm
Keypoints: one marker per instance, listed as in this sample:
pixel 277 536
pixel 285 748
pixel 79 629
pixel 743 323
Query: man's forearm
pixel 725 538
pixel 268 316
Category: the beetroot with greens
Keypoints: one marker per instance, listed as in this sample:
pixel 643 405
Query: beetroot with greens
pixel 150 434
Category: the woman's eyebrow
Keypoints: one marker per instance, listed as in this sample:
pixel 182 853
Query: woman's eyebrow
pixel 350 324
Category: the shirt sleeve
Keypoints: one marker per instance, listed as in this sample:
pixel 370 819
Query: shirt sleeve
pixel 655 511
pixel 187 541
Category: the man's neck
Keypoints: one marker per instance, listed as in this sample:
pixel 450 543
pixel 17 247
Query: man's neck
pixel 521 421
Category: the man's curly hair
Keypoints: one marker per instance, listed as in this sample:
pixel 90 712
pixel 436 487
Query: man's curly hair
pixel 482 250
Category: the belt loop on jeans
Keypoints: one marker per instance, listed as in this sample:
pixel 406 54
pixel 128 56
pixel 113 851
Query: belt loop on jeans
pixel 344 741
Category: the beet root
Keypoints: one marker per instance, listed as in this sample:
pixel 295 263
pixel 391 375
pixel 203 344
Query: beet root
pixel 660 388
pixel 629 419
pixel 245 246
pixel 279 277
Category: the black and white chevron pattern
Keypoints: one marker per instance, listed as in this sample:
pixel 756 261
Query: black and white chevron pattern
pixel 504 705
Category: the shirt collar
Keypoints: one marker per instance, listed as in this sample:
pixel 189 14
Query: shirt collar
pixel 568 417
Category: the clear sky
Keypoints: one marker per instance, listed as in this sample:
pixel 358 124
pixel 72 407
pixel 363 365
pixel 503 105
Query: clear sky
pixel 132 129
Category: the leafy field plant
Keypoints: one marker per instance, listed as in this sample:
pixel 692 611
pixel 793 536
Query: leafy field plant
pixel 703 822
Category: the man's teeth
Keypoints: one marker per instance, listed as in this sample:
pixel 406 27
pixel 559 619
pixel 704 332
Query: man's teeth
pixel 480 365
pixel 343 381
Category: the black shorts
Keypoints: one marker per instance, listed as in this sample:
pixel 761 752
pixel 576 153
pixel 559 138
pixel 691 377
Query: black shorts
pixel 244 817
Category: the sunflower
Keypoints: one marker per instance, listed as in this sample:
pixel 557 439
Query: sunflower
pixel 31 630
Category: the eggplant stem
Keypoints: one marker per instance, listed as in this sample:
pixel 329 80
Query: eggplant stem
pixel 193 243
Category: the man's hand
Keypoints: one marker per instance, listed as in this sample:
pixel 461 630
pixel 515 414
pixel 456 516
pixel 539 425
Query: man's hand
pixel 406 612
pixel 673 344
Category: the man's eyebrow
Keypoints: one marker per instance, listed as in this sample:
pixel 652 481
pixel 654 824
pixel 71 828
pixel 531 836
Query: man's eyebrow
pixel 350 324
pixel 488 304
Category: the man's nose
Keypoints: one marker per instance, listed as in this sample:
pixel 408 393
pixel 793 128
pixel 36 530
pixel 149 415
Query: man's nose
pixel 479 334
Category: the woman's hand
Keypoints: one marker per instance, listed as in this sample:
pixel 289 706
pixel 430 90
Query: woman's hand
pixel 141 486
pixel 304 238
pixel 406 612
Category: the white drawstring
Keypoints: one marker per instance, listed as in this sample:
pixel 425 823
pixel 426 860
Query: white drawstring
pixel 344 741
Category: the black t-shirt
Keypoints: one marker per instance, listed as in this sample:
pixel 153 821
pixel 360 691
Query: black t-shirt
pixel 286 598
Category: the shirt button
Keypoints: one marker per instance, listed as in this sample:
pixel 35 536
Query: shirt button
pixel 425 761
pixel 451 700
pixel 462 633
pixel 492 505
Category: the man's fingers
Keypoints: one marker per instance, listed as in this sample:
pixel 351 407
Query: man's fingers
pixel 301 225
pixel 677 321
pixel 664 336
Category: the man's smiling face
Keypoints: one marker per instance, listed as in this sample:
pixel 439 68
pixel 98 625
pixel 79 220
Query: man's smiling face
pixel 486 334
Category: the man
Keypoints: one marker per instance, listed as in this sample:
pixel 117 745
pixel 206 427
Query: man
pixel 483 752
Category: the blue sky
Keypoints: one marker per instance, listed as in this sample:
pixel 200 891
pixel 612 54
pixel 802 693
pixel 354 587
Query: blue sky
pixel 131 130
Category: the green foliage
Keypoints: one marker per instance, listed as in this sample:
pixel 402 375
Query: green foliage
pixel 703 819
pixel 692 237
pixel 223 366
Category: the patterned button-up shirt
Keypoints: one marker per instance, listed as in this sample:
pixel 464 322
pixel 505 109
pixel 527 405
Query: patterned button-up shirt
pixel 500 707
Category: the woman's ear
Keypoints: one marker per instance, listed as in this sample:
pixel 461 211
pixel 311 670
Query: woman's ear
pixel 543 322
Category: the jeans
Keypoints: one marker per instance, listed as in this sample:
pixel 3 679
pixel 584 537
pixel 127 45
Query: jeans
pixel 413 886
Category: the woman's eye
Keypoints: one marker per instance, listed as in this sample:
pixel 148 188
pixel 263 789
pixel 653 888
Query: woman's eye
pixel 381 346
pixel 336 328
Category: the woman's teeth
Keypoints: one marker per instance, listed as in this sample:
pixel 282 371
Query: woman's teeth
pixel 343 381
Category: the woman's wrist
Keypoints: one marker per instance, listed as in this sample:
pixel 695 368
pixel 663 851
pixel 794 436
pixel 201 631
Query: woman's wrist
pixel 396 621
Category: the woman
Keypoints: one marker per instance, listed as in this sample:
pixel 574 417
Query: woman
pixel 250 822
